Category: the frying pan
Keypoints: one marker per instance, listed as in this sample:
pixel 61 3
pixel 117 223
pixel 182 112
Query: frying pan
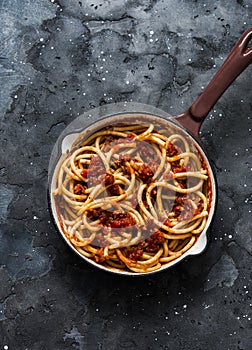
pixel 188 123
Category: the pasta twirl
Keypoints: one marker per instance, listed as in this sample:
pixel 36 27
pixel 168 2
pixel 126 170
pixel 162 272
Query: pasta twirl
pixel 133 197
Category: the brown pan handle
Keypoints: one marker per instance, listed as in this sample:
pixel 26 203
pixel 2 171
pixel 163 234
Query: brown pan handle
pixel 239 58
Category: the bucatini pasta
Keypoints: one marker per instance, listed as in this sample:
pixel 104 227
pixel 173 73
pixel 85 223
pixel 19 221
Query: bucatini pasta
pixel 132 197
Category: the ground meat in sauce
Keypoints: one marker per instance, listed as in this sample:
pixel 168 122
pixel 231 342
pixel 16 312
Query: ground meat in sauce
pixel 125 157
pixel 156 238
pixel 155 241
pixel 148 156
pixel 179 204
pixel 133 253
pixel 79 189
pixel 183 208
pixel 84 173
pixel 151 244
pixel 145 168
pixel 109 179
pixel 180 199
pixel 145 172
pixel 167 222
pixel 111 219
pixel 122 220
pixel 179 169
pixel 121 163
pixel 171 150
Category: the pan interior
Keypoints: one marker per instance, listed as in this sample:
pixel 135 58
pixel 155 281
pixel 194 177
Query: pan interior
pixel 132 193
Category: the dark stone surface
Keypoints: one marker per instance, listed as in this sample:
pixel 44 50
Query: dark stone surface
pixel 61 58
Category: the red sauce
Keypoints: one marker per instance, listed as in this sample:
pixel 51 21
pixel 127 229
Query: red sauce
pixel 84 173
pixel 145 172
pixel 114 190
pixel 180 169
pixel 111 219
pixel 109 179
pixel 171 150
pixel 79 189
pixel 122 220
pixel 133 253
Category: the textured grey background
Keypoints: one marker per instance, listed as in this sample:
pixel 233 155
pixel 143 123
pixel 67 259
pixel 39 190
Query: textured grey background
pixel 61 58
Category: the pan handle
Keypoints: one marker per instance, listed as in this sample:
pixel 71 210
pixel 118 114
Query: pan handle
pixel 239 58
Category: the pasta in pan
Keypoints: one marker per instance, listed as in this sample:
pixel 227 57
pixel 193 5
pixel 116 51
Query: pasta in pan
pixel 132 197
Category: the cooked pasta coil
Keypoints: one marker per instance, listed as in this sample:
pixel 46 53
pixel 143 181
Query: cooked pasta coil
pixel 132 197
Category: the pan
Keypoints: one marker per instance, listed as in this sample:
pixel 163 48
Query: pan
pixel 131 189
